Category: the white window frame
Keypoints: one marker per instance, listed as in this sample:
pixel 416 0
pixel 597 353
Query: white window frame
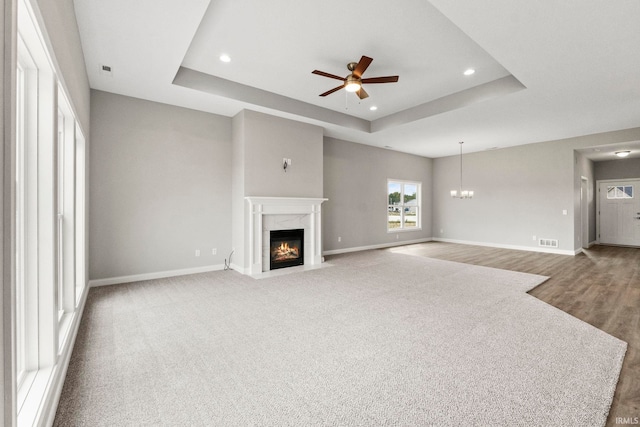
pixel 80 191
pixel 21 212
pixel 60 210
pixel 66 213
pixel 45 185
pixel 401 206
pixel 27 220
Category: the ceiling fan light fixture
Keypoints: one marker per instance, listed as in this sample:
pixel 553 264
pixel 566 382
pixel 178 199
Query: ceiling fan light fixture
pixel 623 153
pixel 352 84
pixel 352 87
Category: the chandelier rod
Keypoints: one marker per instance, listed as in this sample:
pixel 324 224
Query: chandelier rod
pixel 461 142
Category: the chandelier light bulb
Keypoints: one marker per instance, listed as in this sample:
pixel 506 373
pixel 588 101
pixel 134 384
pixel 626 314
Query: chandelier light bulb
pixel 464 194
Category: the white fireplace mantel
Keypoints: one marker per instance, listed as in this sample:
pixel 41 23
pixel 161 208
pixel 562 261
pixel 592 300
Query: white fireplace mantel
pixel 283 207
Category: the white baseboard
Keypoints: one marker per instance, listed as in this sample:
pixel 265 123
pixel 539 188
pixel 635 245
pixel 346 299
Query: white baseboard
pixel 501 246
pixel 589 246
pixel 239 269
pixel 157 275
pixel 378 246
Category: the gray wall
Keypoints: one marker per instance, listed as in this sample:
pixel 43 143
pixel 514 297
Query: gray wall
pixel 260 142
pixel 160 187
pixel 618 169
pixel 520 192
pixel 355 182
pixel 267 140
pixel 239 238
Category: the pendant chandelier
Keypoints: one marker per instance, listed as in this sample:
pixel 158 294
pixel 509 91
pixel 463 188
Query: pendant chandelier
pixel 461 194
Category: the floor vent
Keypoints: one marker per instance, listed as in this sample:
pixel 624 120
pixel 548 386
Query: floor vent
pixel 548 243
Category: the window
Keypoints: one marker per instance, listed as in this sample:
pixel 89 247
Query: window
pixel 60 218
pixel 66 212
pixel 403 205
pixel 80 276
pixel 620 192
pixel 26 190
pixel 49 155
pixel 20 227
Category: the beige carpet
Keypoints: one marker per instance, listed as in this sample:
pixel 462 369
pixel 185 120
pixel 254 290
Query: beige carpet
pixel 379 339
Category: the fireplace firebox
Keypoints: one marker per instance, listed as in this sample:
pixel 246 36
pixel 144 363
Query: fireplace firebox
pixel 287 248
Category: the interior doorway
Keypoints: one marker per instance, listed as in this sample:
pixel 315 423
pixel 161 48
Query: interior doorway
pixel 584 212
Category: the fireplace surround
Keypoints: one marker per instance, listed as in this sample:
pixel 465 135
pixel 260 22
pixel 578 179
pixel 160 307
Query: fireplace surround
pixel 283 213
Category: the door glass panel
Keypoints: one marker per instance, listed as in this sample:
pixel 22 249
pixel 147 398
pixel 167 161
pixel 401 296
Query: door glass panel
pixel 620 192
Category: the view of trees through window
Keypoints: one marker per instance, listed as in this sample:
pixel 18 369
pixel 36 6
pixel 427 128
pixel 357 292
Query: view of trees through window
pixel 403 205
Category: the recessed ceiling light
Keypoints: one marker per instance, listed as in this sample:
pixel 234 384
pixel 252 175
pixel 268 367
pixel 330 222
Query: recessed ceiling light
pixel 469 72
pixel 373 108
pixel 225 58
pixel 623 153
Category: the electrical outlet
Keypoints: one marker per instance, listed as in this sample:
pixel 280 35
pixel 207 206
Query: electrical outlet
pixel 214 251
pixel 534 238
pixel 197 252
pixel 441 231
pixel 339 239
pixel 397 236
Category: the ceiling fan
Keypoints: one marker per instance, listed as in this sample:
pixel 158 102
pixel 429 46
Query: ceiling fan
pixel 354 81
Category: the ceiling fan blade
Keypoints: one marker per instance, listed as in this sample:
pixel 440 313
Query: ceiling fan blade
pixel 331 76
pixel 329 92
pixel 387 79
pixel 362 66
pixel 362 94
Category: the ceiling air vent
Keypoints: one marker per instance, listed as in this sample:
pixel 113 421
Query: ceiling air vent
pixel 106 70
pixel 548 243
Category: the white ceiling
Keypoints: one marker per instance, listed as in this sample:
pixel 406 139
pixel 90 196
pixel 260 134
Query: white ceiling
pixel 545 70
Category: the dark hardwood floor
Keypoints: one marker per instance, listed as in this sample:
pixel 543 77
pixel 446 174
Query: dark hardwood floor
pixel 600 286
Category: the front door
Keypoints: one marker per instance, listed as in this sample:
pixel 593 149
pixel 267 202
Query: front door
pixel 620 212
